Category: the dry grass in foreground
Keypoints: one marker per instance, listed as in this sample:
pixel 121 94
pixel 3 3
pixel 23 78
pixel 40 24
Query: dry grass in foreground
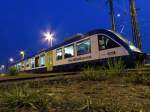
pixel 75 95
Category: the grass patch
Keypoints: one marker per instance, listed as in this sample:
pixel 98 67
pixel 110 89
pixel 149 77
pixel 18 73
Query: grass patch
pixel 138 78
pixel 89 106
pixel 24 98
pixel 93 73
pixel 114 68
pixel 75 95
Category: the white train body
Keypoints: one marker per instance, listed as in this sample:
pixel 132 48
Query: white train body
pixel 94 47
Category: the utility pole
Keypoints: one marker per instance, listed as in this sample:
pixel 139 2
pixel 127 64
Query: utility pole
pixel 135 25
pixel 112 14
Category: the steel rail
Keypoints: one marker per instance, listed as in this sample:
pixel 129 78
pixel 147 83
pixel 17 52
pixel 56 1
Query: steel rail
pixel 57 75
pixel 14 79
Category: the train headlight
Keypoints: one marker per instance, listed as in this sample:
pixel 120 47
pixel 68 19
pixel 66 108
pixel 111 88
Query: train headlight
pixel 132 47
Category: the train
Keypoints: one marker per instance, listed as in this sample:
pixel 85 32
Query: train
pixel 92 48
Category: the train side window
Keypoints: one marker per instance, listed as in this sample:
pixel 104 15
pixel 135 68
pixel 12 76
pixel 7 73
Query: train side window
pixel 42 60
pixel 69 51
pixel 83 47
pixel 59 54
pixel 106 43
pixel 33 62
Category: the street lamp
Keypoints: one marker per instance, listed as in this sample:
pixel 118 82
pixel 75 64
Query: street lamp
pixel 11 60
pixel 118 15
pixel 49 36
pixel 22 53
pixel 2 66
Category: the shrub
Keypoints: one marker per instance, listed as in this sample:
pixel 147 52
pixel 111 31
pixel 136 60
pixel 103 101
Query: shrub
pixel 13 71
pixel 115 67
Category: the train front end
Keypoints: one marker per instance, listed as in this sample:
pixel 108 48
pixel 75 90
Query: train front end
pixel 138 55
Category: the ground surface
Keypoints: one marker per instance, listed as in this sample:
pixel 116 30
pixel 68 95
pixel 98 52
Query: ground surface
pixel 115 94
pixel 111 95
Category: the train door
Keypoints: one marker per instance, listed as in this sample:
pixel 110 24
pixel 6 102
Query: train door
pixel 107 47
pixel 37 62
pixel 49 60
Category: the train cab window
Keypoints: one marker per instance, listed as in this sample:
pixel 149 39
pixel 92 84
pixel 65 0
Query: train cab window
pixel 106 43
pixel 42 60
pixel 69 51
pixel 84 47
pixel 59 54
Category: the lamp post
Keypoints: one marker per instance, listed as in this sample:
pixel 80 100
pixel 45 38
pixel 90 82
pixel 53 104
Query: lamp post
pixel 135 25
pixel 22 54
pixel 2 67
pixel 49 37
pixel 112 14
pixel 9 63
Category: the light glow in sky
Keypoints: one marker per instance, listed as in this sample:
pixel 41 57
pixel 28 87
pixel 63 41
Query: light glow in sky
pixel 49 37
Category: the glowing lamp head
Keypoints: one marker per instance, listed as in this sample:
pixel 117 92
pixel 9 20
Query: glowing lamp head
pixel 11 60
pixel 22 52
pixel 49 37
pixel 118 15
pixel 2 66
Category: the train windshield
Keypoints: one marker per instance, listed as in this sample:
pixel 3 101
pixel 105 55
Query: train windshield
pixel 131 45
pixel 121 37
pixel 106 43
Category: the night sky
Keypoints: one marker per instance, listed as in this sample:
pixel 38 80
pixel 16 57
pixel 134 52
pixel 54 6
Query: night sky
pixel 23 21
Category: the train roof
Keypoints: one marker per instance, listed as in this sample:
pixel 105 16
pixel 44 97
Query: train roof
pixel 82 36
pixel 77 37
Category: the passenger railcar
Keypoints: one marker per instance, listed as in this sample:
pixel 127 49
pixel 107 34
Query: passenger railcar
pixel 94 47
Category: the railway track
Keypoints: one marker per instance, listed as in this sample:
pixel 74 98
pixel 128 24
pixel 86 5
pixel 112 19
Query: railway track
pixel 25 78
pixel 56 75
pixel 143 70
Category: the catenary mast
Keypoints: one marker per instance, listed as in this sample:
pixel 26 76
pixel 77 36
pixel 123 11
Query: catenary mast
pixel 135 25
pixel 112 14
